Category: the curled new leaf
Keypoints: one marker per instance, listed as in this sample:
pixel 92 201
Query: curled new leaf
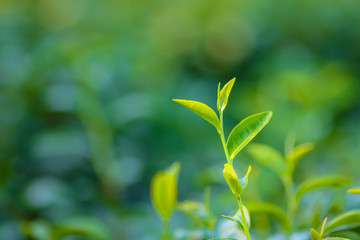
pixel 245 131
pixel 232 179
pixel 163 191
pixel 202 110
pixel 244 180
pixel 351 217
pixel 320 182
pixel 223 95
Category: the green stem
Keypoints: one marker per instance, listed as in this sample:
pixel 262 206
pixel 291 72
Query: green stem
pixel 166 232
pixel 222 136
pixel 291 206
pixel 238 197
pixel 246 230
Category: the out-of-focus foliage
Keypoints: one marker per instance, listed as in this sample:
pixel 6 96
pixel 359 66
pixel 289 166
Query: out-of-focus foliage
pixel 86 117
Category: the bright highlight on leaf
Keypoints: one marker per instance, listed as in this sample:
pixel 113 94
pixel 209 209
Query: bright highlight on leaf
pixel 245 131
pixel 223 95
pixel 163 192
pixel 354 190
pixel 202 110
pixel 232 179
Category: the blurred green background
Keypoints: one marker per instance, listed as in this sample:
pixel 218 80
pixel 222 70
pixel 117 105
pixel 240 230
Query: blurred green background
pixel 86 117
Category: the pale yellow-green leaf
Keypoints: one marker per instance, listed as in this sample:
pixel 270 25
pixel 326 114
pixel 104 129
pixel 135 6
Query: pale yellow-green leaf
pixel 351 217
pixel 223 95
pixel 323 227
pixel 202 110
pixel 245 131
pixel 320 182
pixel 315 235
pixel 354 190
pixel 271 209
pixel 163 192
pixel 268 156
pixel 232 179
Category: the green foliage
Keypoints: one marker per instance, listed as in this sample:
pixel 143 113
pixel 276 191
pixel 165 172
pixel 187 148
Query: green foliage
pixel 347 218
pixel 320 182
pixel 245 131
pixel 202 110
pixel 163 191
pixel 272 210
pixel 354 190
pixel 223 95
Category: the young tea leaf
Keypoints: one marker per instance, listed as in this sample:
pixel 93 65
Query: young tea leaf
pixel 223 95
pixel 202 110
pixel 245 131
pixel 244 180
pixel 315 235
pixel 163 192
pixel 271 209
pixel 351 217
pixel 336 238
pixel 354 190
pixel 268 156
pixel 320 182
pixel 247 217
pixel 232 179
pixel 174 170
pixel 237 221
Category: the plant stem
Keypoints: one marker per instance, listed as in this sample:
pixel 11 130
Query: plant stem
pixel 291 206
pixel 238 197
pixel 165 234
pixel 222 136
pixel 246 230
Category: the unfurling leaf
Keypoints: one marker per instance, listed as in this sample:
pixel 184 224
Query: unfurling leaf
pixel 232 179
pixel 163 192
pixel 351 217
pixel 245 131
pixel 320 182
pixel 315 235
pixel 247 217
pixel 354 190
pixel 223 95
pixel 202 110
pixel 244 180
pixel 268 156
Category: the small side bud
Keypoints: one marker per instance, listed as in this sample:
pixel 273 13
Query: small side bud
pixel 232 179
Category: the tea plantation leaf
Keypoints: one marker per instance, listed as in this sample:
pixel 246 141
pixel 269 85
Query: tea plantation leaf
pixel 237 221
pixel 336 238
pixel 299 153
pixel 354 190
pixel 244 180
pixel 245 131
pixel 351 217
pixel 85 226
pixel 268 156
pixel 315 235
pixel 174 170
pixel 320 182
pixel 271 209
pixel 163 192
pixel 202 110
pixel 232 179
pixel 223 95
